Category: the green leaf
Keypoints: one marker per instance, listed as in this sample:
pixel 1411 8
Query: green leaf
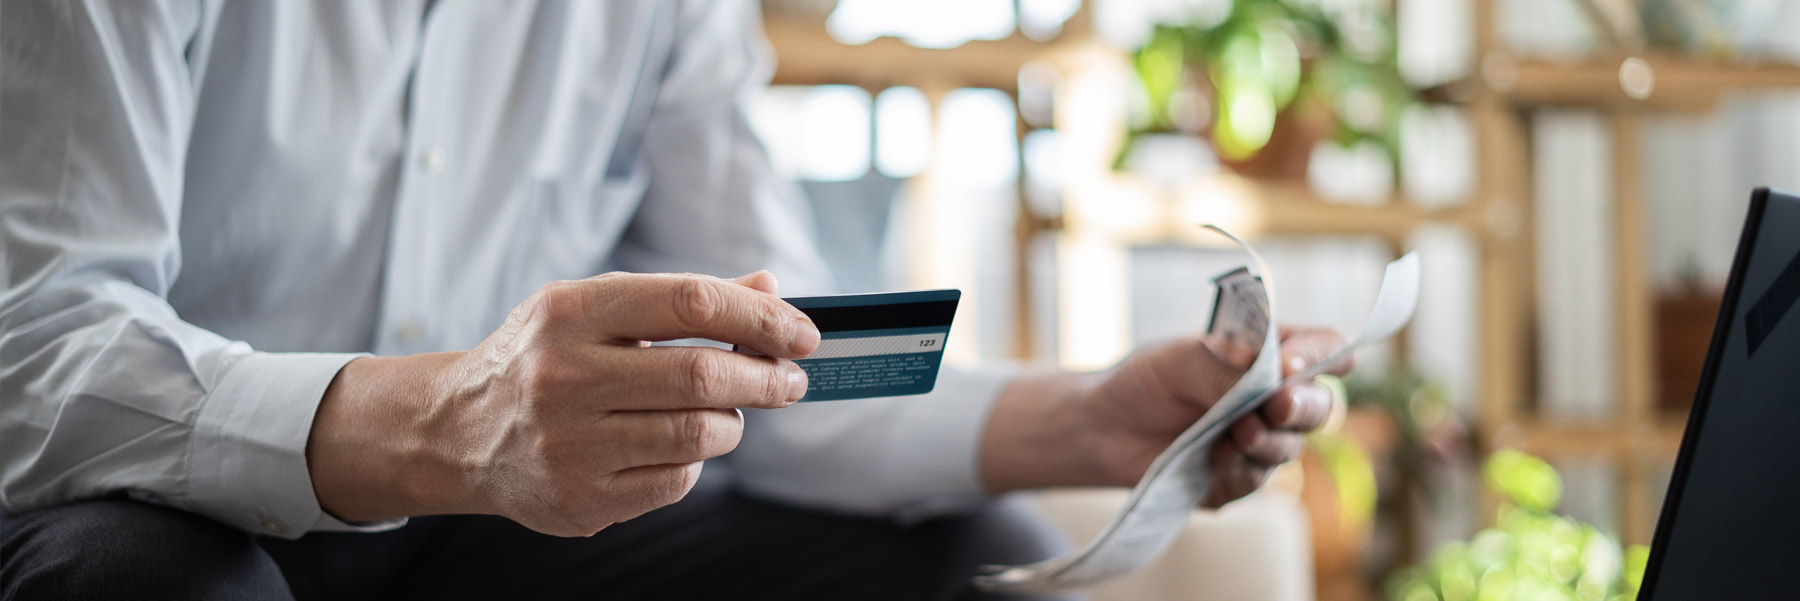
pixel 1159 67
pixel 1246 117
pixel 1527 481
pixel 1280 58
pixel 1636 559
pixel 1353 474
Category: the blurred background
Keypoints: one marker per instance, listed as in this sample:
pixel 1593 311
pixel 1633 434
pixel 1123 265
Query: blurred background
pixel 1574 172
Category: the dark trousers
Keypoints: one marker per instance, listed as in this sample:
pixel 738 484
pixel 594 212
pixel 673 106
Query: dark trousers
pixel 713 545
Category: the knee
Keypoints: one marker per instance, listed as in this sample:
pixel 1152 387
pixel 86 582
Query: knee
pixel 126 549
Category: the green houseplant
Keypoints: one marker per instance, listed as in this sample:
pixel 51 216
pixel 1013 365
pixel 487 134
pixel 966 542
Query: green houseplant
pixel 1270 79
pixel 1530 554
pixel 1374 468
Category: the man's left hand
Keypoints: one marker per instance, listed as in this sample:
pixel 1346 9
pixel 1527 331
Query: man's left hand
pixel 1105 428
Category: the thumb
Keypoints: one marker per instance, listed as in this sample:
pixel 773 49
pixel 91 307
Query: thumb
pixel 1187 369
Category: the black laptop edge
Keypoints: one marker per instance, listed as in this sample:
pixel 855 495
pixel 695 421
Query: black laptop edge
pixel 1665 524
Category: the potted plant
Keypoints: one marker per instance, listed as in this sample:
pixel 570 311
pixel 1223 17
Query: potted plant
pixel 1399 433
pixel 1269 80
pixel 1531 553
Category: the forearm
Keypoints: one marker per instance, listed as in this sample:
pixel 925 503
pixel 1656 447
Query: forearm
pixel 365 456
pixel 1040 435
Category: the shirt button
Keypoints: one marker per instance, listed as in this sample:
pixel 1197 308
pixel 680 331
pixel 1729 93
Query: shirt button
pixel 273 525
pixel 409 331
pixel 432 160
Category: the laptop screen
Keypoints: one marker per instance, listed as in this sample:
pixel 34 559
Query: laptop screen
pixel 1730 527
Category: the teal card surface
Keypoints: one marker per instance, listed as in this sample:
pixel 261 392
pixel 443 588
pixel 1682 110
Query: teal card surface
pixel 875 345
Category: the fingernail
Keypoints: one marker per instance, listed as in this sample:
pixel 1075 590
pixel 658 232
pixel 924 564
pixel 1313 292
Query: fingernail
pixel 796 382
pixel 1320 399
pixel 806 337
pixel 1296 364
pixel 774 284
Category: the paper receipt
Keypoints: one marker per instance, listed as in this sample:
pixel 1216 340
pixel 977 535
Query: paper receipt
pixel 1177 480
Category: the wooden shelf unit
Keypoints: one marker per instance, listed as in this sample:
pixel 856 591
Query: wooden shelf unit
pixel 1658 439
pixel 1639 440
pixel 809 56
pixel 1292 209
pixel 1675 83
pixel 1500 101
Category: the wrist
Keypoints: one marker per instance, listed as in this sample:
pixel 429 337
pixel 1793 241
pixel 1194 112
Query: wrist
pixel 1043 433
pixel 373 452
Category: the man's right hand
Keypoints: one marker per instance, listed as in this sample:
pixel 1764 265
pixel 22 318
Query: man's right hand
pixel 566 419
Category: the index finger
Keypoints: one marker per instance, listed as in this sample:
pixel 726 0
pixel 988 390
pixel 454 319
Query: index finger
pixel 669 307
pixel 1302 408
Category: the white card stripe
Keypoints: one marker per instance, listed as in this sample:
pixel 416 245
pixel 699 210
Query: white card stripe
pixel 879 345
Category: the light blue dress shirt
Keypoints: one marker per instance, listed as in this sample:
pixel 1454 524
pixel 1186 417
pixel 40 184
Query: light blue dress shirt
pixel 207 208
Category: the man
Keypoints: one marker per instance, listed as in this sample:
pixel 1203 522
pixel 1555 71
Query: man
pixel 313 267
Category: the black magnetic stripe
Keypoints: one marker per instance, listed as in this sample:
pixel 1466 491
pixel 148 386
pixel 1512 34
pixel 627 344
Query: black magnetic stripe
pixel 1774 304
pixel 882 317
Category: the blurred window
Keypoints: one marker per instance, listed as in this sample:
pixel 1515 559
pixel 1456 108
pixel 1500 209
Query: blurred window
pixel 978 139
pixel 902 131
pixel 819 133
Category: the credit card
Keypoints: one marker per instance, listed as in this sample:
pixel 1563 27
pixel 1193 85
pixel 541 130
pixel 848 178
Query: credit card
pixel 875 345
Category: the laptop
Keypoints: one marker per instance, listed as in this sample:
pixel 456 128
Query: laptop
pixel 1730 525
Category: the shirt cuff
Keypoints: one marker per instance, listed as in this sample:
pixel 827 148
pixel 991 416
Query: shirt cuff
pixel 247 463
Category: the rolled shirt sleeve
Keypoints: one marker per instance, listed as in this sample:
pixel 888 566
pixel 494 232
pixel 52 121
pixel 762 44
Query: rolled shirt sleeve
pixel 715 205
pixel 103 388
